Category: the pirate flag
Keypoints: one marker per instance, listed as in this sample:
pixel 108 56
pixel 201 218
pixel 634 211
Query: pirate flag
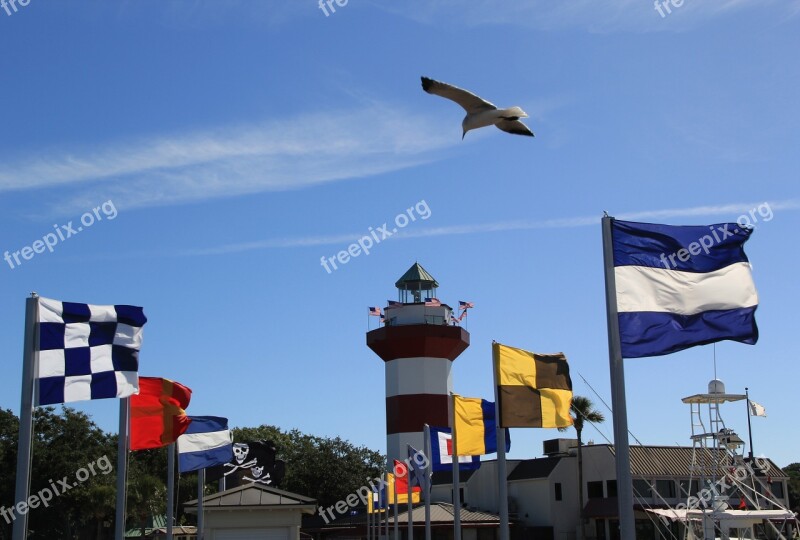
pixel 253 462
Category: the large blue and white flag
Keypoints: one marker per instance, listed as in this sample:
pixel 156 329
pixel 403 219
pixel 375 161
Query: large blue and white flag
pixel 681 286
pixel 87 352
pixel 208 442
pixel 442 452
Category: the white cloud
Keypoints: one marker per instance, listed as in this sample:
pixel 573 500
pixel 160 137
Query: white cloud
pixel 286 154
pixel 728 211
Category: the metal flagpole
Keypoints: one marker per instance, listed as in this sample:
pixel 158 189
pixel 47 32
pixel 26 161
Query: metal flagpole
pixel 456 479
pixel 396 522
pixel 369 514
pixel 427 486
pixel 620 413
pixel 386 504
pixel 27 402
pixel 409 491
pixel 201 483
pixel 122 468
pixel 170 488
pixel 502 474
pixel 749 429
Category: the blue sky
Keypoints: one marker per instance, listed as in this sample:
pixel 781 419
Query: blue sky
pixel 240 142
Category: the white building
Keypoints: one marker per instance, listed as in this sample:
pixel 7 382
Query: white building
pixel 543 492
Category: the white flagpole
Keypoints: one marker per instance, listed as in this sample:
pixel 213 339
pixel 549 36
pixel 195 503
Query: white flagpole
pixel 502 474
pixel 27 403
pixel 627 524
pixel 409 491
pixel 122 468
pixel 456 478
pixel 201 482
pixel 170 488
pixel 427 486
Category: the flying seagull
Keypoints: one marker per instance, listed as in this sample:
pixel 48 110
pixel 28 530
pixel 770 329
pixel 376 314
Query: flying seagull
pixel 480 113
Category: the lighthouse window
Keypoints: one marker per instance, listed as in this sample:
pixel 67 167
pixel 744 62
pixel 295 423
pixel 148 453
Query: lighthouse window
pixel 558 491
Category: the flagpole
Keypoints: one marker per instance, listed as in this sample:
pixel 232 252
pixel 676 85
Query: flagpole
pixel 122 468
pixel 409 491
pixel 386 502
pixel 396 523
pixel 369 514
pixel 27 402
pixel 749 429
pixel 620 412
pixel 427 487
pixel 502 474
pixel 456 479
pixel 201 482
pixel 170 488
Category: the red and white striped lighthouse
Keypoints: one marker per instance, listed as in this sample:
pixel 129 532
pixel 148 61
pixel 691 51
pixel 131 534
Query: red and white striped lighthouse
pixel 418 344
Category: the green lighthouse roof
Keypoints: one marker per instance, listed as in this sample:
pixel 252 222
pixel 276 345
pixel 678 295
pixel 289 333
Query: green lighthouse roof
pixel 417 275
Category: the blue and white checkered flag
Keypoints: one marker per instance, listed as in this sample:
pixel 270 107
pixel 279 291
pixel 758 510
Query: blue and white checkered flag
pixel 87 352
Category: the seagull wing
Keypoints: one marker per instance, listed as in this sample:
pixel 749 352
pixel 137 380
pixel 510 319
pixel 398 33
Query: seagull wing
pixel 514 126
pixel 471 103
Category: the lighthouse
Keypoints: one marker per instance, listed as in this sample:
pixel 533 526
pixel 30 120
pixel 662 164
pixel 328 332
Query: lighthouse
pixel 418 343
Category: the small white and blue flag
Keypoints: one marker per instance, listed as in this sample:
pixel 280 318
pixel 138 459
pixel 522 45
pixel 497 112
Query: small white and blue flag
pixel 208 442
pixel 87 352
pixel 682 286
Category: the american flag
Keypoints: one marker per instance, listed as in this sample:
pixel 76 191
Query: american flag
pixel 465 305
pixel 375 311
pixel 393 303
pixel 432 302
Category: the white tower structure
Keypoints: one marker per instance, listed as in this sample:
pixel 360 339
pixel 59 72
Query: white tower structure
pixel 418 344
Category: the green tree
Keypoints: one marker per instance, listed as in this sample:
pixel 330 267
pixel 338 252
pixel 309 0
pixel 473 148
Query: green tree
pixel 64 443
pixel 793 470
pixel 9 427
pixel 582 411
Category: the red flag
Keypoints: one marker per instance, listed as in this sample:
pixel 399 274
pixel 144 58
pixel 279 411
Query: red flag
pixel 401 479
pixel 742 504
pixel 158 417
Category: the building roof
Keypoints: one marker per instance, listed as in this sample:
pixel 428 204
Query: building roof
pixel 415 274
pixel 652 461
pixel 441 514
pixel 444 512
pixel 254 496
pixel 534 468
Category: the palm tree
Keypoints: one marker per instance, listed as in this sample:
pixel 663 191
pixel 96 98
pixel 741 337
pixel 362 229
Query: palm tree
pixel 582 410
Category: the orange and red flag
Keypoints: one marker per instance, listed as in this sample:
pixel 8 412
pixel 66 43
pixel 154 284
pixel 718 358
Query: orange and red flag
pixel 158 415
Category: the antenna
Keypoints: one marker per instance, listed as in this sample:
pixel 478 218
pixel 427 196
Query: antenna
pixel 715 360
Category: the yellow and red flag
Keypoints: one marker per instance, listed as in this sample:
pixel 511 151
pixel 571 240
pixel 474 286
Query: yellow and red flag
pixel 158 415
pixel 401 478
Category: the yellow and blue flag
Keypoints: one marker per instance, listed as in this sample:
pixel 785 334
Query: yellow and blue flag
pixel 474 427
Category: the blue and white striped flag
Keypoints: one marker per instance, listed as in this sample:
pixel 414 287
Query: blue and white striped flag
pixel 208 442
pixel 681 286
pixel 87 352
